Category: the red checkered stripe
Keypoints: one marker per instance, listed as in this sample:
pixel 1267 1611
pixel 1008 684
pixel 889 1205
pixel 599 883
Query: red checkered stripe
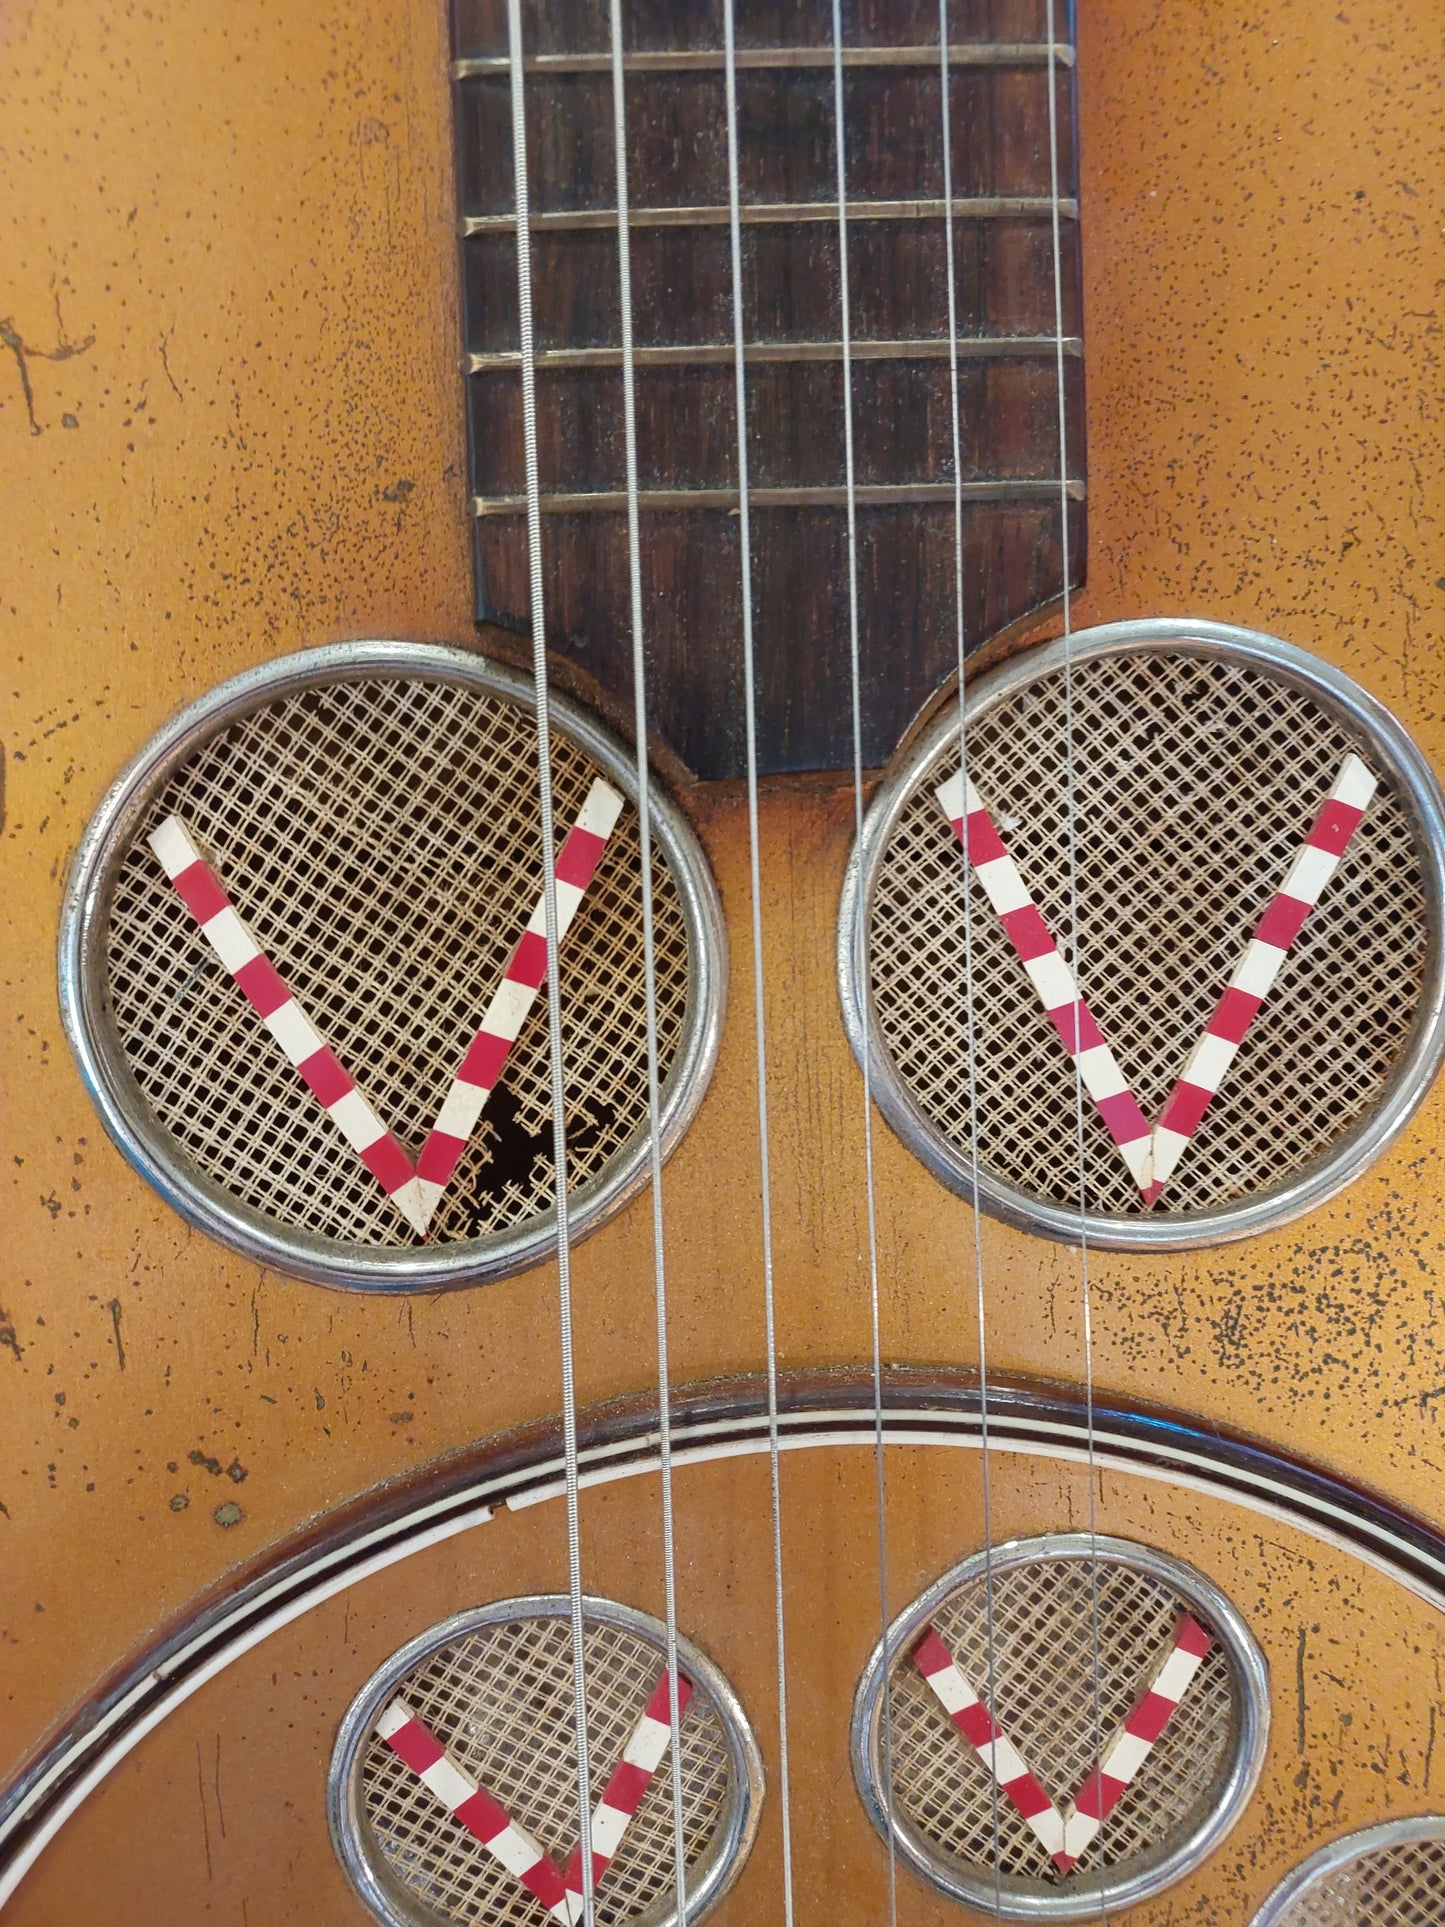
pixel 998 1753
pixel 1135 1739
pixel 475 1809
pixel 334 1089
pixel 1318 859
pixel 1051 977
pixel 643 1754
pixel 502 1022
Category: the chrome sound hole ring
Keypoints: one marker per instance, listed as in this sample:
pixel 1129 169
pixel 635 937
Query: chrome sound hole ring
pixel 1391 1875
pixel 1267 1194
pixel 287 1241
pixel 409 1883
pixel 906 1804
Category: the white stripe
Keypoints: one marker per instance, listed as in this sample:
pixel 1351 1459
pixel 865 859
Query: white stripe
pixel 600 812
pixel 1053 981
pixel 1176 1673
pixel 608 1826
pixel 569 896
pixel 464 1105
pixel 1048 1824
pixel 1003 886
pixel 1003 1759
pixel 1100 1071
pixel 356 1121
pixel 1079 1829
pixel 412 1206
pixel 230 939
pixel 517 1851
pixel 1126 1756
pixel 507 1011
pixel 972 799
pixel 950 798
pixel 648 1744
pixel 952 1689
pixel 450 1786
pixel 1355 784
pixel 394 1719
pixel 1309 873
pixel 1168 1149
pixel 174 849
pixel 430 1193
pixel 1257 968
pixel 1138 1154
pixel 293 1031
pixel 1208 1061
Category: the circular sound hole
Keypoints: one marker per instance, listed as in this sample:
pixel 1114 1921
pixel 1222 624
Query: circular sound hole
pixel 379 833
pixel 495 1688
pixel 1388 1876
pixel 1153 809
pixel 1061 1648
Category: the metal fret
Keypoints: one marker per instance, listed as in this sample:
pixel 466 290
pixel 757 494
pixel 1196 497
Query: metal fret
pixel 718 354
pixel 876 495
pixel 1002 207
pixel 981 53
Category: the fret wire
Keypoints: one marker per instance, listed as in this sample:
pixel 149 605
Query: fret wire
pixel 983 207
pixel 868 495
pixel 719 354
pixel 665 60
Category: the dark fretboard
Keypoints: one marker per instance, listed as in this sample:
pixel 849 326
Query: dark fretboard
pixel 683 327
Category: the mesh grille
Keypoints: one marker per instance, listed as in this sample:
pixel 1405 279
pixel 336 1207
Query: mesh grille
pixel 500 1700
pixel 1197 778
pixel 1041 1689
pixel 382 839
pixel 1402 1885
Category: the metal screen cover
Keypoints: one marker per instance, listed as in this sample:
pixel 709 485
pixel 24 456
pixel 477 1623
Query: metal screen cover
pixel 382 839
pixel 500 1700
pixel 1195 779
pixel 1040 1687
pixel 1399 1885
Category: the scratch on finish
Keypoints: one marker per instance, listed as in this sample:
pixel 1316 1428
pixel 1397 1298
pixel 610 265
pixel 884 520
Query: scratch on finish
pixel 205 1822
pixel 114 1309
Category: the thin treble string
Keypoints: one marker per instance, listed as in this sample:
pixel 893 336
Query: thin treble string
pixel 1072 816
pixel 649 951
pixel 549 899
pixel 755 879
pixel 970 1032
pixel 861 957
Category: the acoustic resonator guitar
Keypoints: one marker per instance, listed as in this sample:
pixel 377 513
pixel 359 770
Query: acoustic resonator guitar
pixel 742 1214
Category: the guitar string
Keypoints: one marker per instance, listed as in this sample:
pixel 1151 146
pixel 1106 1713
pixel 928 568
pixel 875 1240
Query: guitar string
pixel 1071 813
pixel 861 954
pixel 970 1036
pixel 549 899
pixel 755 881
pixel 649 950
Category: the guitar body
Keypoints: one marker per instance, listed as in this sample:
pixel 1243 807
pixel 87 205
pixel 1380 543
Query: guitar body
pixel 235 431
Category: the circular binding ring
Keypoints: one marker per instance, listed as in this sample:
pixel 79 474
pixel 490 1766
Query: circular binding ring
pixel 1392 1875
pixel 204 1105
pixel 1035 1603
pixel 494 1688
pixel 1202 752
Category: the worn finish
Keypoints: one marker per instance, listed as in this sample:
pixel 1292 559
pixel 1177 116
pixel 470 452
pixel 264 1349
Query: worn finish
pixel 1353 1744
pixel 257 324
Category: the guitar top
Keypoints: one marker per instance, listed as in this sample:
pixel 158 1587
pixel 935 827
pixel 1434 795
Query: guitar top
pixel 1155 1603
